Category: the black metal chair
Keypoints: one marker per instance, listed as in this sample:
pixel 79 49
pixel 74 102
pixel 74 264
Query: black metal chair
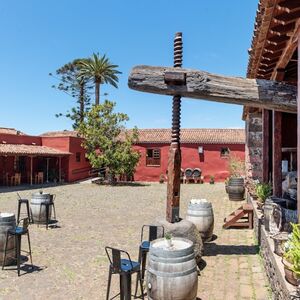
pixel 26 203
pixel 17 234
pixel 124 267
pixel 48 205
pixel 153 232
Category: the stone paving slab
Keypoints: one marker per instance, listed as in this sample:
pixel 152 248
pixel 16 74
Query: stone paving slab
pixel 70 261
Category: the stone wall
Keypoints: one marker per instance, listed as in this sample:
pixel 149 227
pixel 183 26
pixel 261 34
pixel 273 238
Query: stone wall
pixel 253 151
pixel 281 289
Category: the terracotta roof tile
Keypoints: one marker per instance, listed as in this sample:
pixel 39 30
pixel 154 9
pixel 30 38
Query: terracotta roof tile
pixel 197 135
pixel 4 130
pixel 63 133
pixel 20 149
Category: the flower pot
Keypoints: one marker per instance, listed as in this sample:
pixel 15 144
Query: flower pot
pixel 236 189
pixel 290 276
pixel 279 240
pixel 169 243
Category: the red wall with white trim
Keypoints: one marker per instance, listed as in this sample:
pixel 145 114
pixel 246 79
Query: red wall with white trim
pixel 210 162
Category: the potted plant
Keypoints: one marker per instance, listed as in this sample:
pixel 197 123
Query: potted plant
pixel 235 187
pixel 263 191
pixel 161 178
pixel 291 256
pixel 212 179
pixel 168 239
pixel 279 239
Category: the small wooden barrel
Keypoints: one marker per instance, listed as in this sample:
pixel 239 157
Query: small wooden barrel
pixel 38 212
pixel 200 212
pixel 7 222
pixel 172 272
pixel 236 189
pixel 188 172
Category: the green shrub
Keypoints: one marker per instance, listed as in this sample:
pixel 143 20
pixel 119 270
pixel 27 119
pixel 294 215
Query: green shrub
pixel 263 191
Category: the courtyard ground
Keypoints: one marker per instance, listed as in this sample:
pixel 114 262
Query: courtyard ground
pixel 70 261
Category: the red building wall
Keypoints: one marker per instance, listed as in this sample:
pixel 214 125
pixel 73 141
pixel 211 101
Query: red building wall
pixel 72 170
pixel 78 170
pixel 210 162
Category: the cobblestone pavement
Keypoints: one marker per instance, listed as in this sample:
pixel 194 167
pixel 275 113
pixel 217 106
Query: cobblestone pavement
pixel 70 261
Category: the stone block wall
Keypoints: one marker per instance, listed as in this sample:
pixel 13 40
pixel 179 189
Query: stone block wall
pixel 253 151
pixel 281 289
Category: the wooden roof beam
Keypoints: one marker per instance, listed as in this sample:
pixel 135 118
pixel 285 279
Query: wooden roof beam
pixel 286 18
pixel 277 40
pixel 288 6
pixel 281 30
pixel 289 51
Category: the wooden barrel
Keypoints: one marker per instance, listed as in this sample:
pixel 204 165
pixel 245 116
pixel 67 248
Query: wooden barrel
pixel 7 221
pixel 200 212
pixel 236 189
pixel 38 212
pixel 188 172
pixel 172 272
pixel 197 172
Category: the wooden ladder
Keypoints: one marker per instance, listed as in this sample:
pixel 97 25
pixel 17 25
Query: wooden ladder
pixel 241 217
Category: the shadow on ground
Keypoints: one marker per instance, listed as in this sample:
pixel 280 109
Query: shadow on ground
pixel 25 268
pixel 212 249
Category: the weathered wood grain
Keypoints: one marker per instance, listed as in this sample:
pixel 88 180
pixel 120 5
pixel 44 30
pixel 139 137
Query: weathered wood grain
pixel 261 93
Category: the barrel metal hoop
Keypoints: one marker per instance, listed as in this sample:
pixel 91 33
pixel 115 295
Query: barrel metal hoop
pixel 173 274
pixel 176 260
pixel 198 215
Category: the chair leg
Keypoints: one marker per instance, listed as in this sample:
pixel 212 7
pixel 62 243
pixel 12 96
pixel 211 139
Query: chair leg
pixel 47 215
pixel 18 244
pixel 127 286
pixel 54 212
pixel 141 284
pixel 28 212
pixel 137 279
pixel 5 250
pixel 40 215
pixel 29 246
pixel 19 211
pixel 144 259
pixel 121 287
pixel 108 284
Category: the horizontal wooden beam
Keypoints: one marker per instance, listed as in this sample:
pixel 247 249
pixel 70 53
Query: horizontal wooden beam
pixel 288 6
pixel 288 51
pixel 286 18
pixel 283 29
pixel 203 85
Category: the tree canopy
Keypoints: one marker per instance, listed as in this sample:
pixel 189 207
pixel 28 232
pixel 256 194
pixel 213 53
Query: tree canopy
pixel 107 142
pixel 75 86
pixel 100 70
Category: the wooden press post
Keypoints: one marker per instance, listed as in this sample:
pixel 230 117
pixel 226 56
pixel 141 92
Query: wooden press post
pixel 174 159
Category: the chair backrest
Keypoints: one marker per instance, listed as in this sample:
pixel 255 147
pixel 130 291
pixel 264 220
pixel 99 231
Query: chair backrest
pixel 152 232
pixel 114 256
pixel 41 175
pixel 52 197
pixel 25 223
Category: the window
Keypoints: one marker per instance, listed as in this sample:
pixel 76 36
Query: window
pixel 78 156
pixel 224 152
pixel 153 157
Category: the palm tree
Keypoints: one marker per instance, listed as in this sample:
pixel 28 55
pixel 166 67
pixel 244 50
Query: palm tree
pixel 100 70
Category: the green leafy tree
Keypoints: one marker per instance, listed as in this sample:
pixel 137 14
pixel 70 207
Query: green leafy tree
pixel 107 142
pixel 100 70
pixel 75 86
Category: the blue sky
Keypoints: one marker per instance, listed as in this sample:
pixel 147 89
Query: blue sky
pixel 37 37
